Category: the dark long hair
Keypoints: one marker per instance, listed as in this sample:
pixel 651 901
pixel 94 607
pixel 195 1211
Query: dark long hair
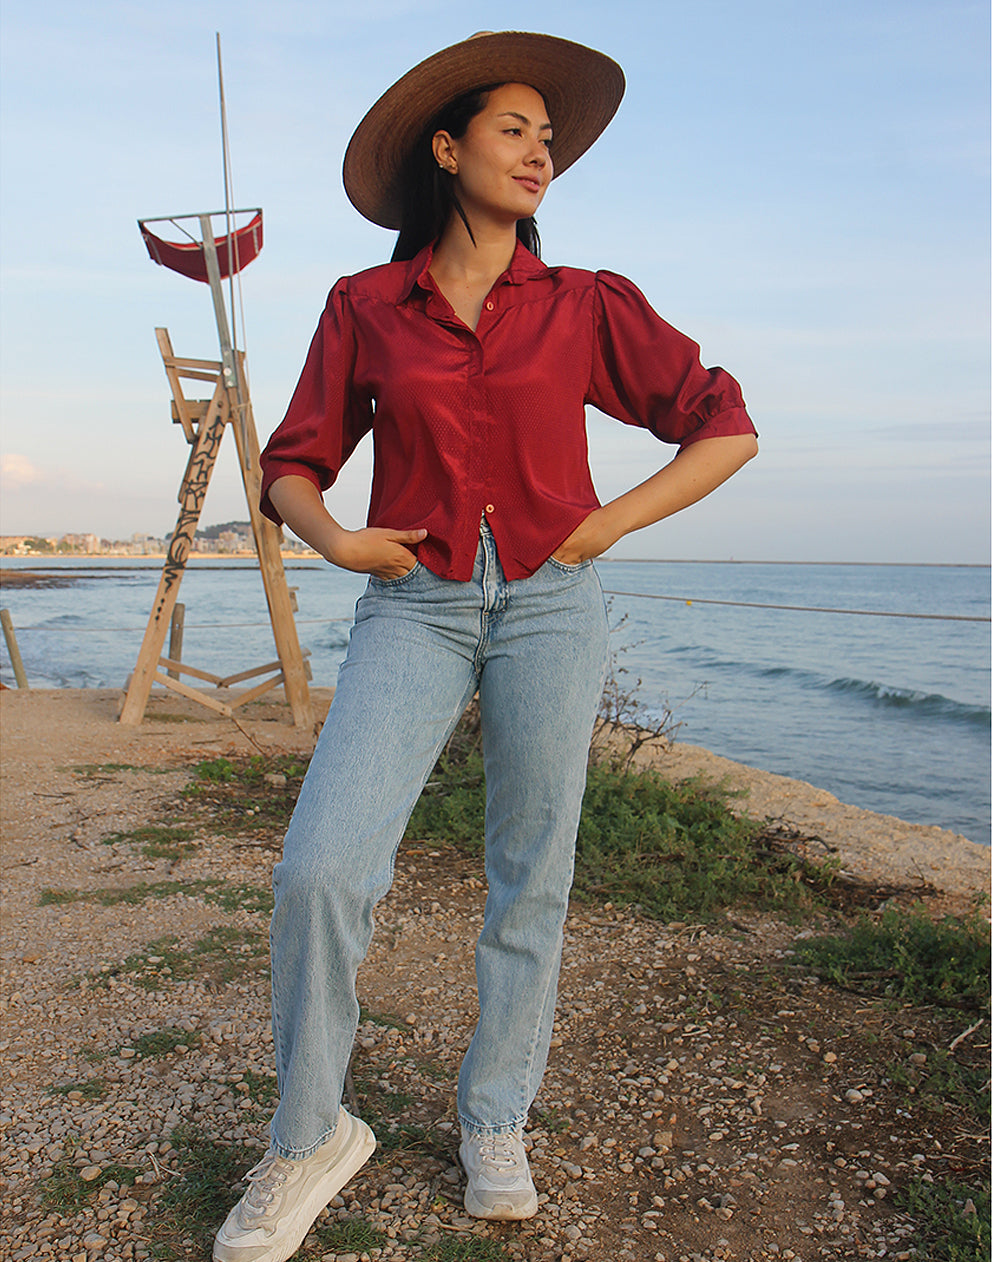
pixel 429 198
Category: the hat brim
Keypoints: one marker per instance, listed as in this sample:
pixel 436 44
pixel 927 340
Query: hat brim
pixel 582 89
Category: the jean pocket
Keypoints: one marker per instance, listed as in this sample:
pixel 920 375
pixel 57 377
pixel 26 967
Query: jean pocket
pixel 396 582
pixel 570 569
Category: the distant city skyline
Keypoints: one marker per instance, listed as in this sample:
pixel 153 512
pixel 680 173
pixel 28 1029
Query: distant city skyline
pixel 802 189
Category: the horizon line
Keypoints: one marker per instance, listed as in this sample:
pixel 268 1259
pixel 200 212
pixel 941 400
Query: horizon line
pixel 39 561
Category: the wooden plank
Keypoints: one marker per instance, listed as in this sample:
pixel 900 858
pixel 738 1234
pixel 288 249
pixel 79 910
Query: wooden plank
pixel 204 367
pixel 244 697
pixel 176 628
pixel 184 690
pixel 195 410
pixel 253 671
pixel 249 674
pixel 175 385
pixel 20 674
pixel 175 666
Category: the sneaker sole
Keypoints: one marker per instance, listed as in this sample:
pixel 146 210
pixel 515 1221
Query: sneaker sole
pixel 359 1147
pixel 501 1212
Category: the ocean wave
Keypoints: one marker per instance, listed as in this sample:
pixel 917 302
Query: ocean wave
pixel 931 704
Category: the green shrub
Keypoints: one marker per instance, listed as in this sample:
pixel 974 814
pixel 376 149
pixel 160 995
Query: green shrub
pixel 909 957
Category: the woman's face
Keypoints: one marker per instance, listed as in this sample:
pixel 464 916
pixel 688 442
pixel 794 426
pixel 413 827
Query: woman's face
pixel 502 165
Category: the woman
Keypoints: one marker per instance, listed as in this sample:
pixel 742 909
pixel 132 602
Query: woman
pixel 472 363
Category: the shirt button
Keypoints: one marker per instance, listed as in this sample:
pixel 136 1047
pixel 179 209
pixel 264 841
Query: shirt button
pixel 490 306
pixel 490 508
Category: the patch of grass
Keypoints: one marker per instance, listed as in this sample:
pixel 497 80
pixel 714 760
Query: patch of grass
pixel 218 770
pixel 158 841
pixel 470 1249
pixel 117 1173
pixel 261 1088
pixel 67 1192
pixel 948 1080
pixel 952 1220
pixel 227 953
pixel 908 957
pixel 247 793
pixel 452 807
pixel 552 1119
pixel 88 1088
pixel 379 1108
pixel 255 770
pixel 253 898
pixel 107 768
pixel 163 1042
pixel 221 894
pixel 351 1236
pixel 405 1136
pixel 192 1206
pixel 944 1081
pixel 223 954
pixel 113 897
pixel 64 1190
pixel 386 1020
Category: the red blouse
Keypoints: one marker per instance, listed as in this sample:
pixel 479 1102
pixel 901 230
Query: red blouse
pixel 492 421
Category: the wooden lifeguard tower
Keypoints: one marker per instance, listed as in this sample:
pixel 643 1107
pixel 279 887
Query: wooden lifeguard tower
pixel 209 258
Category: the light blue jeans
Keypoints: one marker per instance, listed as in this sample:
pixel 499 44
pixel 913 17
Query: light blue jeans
pixel 421 647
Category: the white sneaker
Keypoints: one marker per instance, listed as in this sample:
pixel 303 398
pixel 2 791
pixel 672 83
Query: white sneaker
pixel 284 1197
pixel 499 1182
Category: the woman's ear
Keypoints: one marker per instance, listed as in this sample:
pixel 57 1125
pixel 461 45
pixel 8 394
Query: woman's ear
pixel 444 152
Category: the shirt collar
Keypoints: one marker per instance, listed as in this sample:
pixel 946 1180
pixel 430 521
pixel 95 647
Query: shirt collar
pixel 524 266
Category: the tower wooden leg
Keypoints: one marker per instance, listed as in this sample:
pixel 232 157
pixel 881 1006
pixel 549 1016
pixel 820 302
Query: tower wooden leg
pixel 267 544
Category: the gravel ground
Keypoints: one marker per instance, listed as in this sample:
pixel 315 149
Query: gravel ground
pixel 706 1098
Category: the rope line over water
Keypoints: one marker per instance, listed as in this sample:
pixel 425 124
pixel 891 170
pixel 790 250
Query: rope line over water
pixel 682 600
pixel 748 604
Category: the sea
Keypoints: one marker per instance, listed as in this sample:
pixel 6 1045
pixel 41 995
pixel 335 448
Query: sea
pixel 870 681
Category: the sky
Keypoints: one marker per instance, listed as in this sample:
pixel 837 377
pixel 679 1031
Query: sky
pixel 802 188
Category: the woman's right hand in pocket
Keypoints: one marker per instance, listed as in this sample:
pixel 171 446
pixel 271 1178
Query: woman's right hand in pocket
pixel 377 551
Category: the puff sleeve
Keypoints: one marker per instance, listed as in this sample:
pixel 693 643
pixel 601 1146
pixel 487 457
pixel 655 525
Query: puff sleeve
pixel 646 373
pixel 328 414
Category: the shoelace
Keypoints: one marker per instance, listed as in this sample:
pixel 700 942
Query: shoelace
pixel 497 1150
pixel 264 1180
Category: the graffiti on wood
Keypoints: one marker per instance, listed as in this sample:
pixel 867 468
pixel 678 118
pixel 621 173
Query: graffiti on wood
pixel 192 494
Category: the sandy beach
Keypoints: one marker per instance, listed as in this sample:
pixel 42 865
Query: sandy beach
pixel 704 1100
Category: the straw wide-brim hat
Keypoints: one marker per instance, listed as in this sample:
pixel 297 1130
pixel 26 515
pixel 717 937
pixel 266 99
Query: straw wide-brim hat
pixel 581 88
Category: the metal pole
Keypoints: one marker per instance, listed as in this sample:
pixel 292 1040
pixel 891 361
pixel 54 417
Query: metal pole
pixel 231 375
pixel 233 262
pixel 15 653
pixel 217 294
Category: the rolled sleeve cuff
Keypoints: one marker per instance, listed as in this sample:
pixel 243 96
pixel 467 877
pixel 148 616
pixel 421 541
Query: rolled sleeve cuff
pixel 725 424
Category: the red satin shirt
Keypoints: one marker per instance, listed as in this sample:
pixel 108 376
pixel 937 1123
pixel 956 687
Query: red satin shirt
pixel 492 421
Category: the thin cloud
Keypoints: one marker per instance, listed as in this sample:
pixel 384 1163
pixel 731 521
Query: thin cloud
pixel 17 471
